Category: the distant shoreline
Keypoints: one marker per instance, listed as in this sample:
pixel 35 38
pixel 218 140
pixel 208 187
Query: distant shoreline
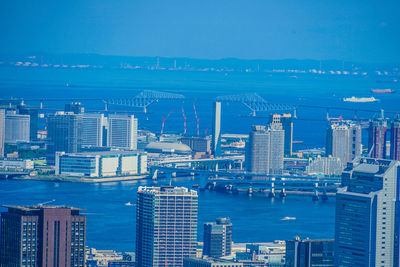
pixel 81 179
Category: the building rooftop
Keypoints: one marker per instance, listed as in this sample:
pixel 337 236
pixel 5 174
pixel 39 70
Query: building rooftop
pixel 160 147
pixel 38 207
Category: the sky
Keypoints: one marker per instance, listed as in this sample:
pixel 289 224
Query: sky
pixel 350 30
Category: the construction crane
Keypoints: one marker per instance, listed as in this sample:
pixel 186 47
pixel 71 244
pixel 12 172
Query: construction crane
pixel 197 120
pixel 206 131
pixel 164 119
pixel 184 121
pixel 47 202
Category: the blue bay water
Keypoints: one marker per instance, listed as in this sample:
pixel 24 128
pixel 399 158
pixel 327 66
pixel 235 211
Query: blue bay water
pixel 111 224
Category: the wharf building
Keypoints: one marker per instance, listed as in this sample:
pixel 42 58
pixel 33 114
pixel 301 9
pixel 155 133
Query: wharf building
pixel 218 238
pixel 122 131
pixel 101 164
pixel 265 150
pixel 343 141
pixel 2 131
pixel 64 134
pixel 287 125
pixel 368 213
pixel 166 225
pixel 216 130
pixel 310 252
pixel 42 236
pixel 17 127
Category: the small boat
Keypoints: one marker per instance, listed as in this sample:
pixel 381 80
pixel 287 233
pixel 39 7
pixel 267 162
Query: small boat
pixel 382 91
pixel 288 219
pixel 129 204
pixel 360 99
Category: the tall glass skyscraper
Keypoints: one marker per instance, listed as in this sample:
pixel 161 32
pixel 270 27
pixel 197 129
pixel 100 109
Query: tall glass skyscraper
pixel 395 139
pixel 122 131
pixel 368 214
pixel 377 138
pixel 64 134
pixel 218 238
pixel 17 128
pixel 2 131
pixel 92 129
pixel 216 130
pixel 166 225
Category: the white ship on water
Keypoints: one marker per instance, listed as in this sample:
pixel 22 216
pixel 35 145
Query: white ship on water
pixel 360 99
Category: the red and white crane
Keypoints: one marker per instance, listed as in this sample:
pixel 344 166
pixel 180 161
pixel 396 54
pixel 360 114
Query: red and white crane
pixel 197 120
pixel 164 119
pixel 184 121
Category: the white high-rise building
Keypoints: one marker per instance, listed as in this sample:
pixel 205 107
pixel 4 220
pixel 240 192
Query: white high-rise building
pixel 92 129
pixel 343 140
pixel 122 131
pixel 17 128
pixel 2 131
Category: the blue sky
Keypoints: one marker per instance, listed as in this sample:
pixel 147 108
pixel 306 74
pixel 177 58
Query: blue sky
pixel 352 30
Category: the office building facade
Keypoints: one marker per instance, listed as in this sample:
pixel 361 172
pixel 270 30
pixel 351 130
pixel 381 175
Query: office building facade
pixel 367 214
pixel 92 129
pixel 42 236
pixel 64 134
pixel 101 164
pixel 33 117
pixel 166 225
pixel 2 131
pixel 265 149
pixel 17 128
pixel 310 253
pixel 218 238
pixel 122 131
pixel 197 144
pixel 395 139
pixel 216 130
pixel 343 141
pixel 74 107
pixel 377 138
pixel 287 125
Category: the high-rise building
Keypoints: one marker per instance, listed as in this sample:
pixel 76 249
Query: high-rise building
pixel 325 166
pixel 216 130
pixel 166 225
pixel 368 214
pixel 64 134
pixel 310 253
pixel 343 141
pixel 17 128
pixel 264 150
pixel 42 236
pixel 377 138
pixel 395 139
pixel 2 131
pixel 33 115
pixel 92 129
pixel 218 238
pixel 74 107
pixel 287 126
pixel 197 144
pixel 122 131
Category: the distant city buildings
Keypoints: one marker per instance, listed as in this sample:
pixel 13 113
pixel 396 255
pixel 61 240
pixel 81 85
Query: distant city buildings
pixel 367 214
pixel 265 149
pixel 197 144
pixel 17 127
pixel 42 236
pixel 122 131
pixel 343 141
pixel 101 164
pixel 210 262
pixel 166 225
pixel 311 253
pixel 218 238
pixel 377 138
pixel 216 130
pixel 93 129
pixel 74 107
pixel 2 131
pixel 287 125
pixel 262 254
pixel 325 165
pixel 64 134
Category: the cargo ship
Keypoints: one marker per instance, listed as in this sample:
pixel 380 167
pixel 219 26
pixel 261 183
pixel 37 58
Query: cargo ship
pixel 382 91
pixel 360 99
